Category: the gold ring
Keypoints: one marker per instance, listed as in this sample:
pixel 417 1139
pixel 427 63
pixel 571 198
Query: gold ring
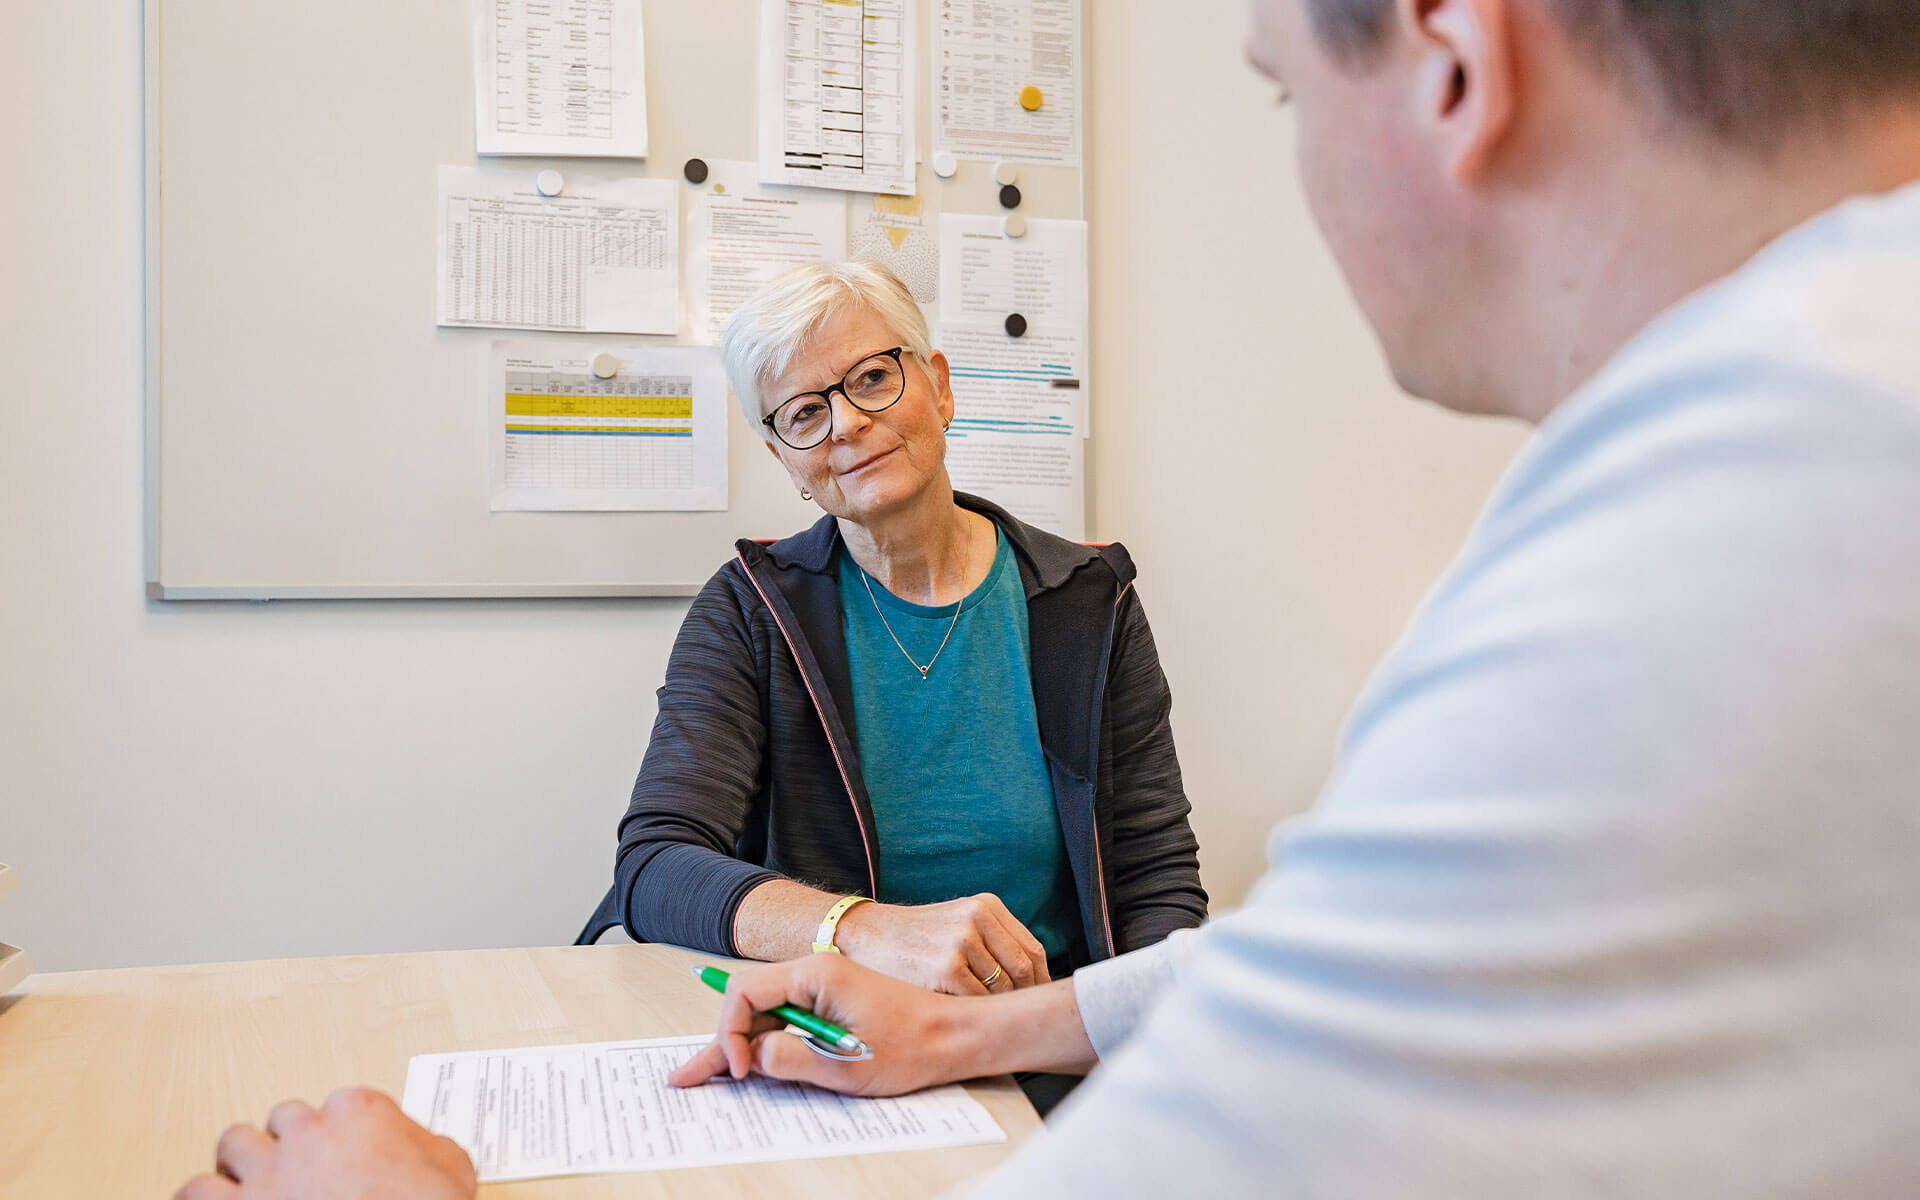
pixel 988 981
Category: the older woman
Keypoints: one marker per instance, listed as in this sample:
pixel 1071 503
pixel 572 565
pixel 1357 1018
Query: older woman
pixel 920 733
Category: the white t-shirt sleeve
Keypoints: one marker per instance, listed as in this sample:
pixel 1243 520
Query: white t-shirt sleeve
pixel 1115 994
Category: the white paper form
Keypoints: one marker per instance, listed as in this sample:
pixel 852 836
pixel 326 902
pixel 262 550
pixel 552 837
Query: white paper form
pixel 986 275
pixel 607 1106
pixel 1040 480
pixel 653 437
pixel 984 53
pixel 741 234
pixel 1030 384
pixel 837 90
pixel 1019 419
pixel 559 77
pixel 901 234
pixel 601 257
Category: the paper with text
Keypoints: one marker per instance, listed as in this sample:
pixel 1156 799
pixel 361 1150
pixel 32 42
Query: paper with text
pixel 986 275
pixel 601 257
pixel 741 234
pixel 607 1106
pixel 653 437
pixel 837 93
pixel 559 77
pixel 1019 417
pixel 1040 480
pixel 984 53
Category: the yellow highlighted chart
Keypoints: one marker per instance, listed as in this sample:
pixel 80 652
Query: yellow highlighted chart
pixel 653 436
pixel 528 404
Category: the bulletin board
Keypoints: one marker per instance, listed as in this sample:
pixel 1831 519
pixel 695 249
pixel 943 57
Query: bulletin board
pixel 311 433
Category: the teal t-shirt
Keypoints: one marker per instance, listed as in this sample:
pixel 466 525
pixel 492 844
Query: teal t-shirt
pixel 962 800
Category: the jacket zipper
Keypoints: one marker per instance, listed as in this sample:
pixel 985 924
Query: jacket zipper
pixel 1099 866
pixel 866 844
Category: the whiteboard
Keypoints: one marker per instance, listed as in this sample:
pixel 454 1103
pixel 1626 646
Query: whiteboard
pixel 310 432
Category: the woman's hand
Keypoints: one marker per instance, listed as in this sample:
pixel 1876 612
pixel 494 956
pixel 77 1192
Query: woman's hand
pixel 954 947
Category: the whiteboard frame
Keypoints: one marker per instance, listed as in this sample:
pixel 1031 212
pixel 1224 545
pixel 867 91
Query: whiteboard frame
pixel 150 280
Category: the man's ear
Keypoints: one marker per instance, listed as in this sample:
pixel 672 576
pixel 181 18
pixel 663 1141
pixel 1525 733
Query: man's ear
pixel 1467 88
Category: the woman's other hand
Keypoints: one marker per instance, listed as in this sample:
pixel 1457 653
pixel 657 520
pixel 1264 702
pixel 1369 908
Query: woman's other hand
pixel 966 947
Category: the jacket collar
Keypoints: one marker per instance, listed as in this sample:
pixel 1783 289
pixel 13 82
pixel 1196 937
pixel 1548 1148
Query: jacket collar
pixel 1049 559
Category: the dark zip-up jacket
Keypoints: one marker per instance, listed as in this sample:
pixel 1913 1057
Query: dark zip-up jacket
pixel 753 769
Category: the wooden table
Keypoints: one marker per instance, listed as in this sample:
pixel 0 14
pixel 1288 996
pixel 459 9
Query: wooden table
pixel 115 1084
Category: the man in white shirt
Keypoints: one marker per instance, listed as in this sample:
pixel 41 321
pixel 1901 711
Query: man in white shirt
pixel 1613 889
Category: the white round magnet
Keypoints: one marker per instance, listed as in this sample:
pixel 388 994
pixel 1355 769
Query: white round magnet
pixel 1005 173
pixel 1016 225
pixel 550 182
pixel 605 365
pixel 945 164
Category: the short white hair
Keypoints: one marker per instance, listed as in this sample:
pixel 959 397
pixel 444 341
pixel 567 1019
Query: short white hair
pixel 771 327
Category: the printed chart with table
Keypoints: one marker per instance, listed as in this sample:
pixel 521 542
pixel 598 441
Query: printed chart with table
pixel 652 434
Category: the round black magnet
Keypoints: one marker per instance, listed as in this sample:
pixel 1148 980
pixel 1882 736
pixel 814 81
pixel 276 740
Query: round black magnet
pixel 1010 196
pixel 695 170
pixel 1016 325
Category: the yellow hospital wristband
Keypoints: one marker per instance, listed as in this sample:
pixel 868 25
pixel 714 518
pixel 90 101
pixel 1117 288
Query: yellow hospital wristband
pixel 830 924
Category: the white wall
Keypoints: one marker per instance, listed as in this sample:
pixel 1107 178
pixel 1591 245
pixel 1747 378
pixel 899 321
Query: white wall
pixel 1287 504
pixel 194 782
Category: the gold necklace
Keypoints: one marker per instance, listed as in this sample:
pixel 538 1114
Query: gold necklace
pixel 868 580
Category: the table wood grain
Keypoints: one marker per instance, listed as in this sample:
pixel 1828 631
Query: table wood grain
pixel 115 1084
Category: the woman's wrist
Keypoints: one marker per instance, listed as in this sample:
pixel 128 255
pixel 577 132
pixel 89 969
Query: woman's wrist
pixel 859 928
pixel 778 919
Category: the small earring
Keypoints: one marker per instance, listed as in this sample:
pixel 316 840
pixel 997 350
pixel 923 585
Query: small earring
pixel 805 494
pixel 945 425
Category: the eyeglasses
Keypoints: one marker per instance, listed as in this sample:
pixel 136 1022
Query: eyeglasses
pixel 874 384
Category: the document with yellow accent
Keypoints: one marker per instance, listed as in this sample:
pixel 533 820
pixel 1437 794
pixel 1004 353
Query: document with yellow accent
pixel 585 426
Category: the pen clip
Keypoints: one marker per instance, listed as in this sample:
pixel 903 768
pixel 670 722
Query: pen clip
pixel 820 1047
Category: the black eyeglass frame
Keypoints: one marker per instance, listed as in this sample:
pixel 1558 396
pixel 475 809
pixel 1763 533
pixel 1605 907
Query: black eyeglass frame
pixel 826 395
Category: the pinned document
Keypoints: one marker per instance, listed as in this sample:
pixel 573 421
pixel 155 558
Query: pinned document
pixel 1006 81
pixel 575 431
pixel 1013 324
pixel 600 257
pixel 897 232
pixel 740 235
pixel 837 89
pixel 559 78
pixel 986 274
pixel 1019 421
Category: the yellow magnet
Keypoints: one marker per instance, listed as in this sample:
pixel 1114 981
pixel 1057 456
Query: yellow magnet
pixel 1030 98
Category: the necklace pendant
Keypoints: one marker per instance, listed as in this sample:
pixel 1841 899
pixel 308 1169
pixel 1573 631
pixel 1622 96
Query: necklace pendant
pixel 923 672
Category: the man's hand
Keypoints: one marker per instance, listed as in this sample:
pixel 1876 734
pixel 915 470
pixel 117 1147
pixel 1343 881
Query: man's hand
pixel 357 1146
pixel 953 947
pixel 919 1038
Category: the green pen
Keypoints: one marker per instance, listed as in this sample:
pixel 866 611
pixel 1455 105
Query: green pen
pixel 822 1036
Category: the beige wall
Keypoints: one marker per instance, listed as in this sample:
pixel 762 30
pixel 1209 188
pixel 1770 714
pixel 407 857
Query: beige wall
pixel 1286 504
pixel 192 782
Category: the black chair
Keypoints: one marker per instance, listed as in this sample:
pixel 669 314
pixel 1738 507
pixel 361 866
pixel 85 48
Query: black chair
pixel 605 917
